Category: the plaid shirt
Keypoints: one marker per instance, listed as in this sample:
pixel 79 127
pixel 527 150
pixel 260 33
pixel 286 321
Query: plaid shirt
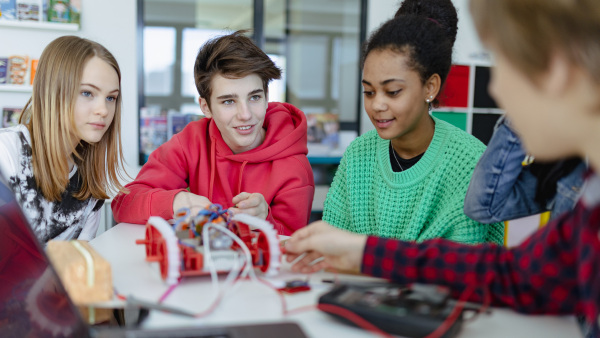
pixel 555 271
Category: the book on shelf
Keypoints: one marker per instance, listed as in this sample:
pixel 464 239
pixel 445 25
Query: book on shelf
pixel 18 65
pixel 3 70
pixel 8 10
pixel 62 11
pixel 177 121
pixel 59 11
pixel 10 116
pixel 29 10
pixel 75 9
pixel 153 133
pixel 33 69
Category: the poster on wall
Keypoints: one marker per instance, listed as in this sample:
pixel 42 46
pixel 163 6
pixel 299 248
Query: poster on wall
pixel 8 10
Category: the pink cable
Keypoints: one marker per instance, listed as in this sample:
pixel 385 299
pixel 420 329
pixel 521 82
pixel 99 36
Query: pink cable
pixel 168 292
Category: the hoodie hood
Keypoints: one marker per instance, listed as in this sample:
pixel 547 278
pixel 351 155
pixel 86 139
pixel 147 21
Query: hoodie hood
pixel 286 135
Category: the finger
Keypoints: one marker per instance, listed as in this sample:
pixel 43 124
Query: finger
pixel 304 260
pixel 240 197
pixel 313 268
pixel 296 268
pixel 250 211
pixel 317 261
pixel 309 258
pixel 294 244
pixel 290 257
pixel 299 235
pixel 300 241
pixel 297 259
pixel 319 266
pixel 303 268
pixel 252 201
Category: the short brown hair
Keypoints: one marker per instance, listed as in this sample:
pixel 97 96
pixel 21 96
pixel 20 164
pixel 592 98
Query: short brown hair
pixel 527 32
pixel 234 56
pixel 49 117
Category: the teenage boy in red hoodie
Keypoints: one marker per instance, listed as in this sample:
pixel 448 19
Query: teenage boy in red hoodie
pixel 247 155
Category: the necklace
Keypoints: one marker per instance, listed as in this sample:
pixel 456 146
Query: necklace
pixel 394 153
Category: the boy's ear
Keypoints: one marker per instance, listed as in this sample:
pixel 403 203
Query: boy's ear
pixel 558 76
pixel 204 107
pixel 266 100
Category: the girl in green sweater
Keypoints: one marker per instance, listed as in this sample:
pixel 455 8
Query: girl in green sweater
pixel 407 179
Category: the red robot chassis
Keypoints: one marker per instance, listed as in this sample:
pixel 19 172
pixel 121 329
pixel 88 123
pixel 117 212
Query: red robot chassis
pixel 181 248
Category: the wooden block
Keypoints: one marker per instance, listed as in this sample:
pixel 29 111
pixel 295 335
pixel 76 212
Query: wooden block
pixel 83 285
pixel 96 316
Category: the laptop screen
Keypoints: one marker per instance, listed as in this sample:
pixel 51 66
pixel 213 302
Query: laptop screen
pixel 33 302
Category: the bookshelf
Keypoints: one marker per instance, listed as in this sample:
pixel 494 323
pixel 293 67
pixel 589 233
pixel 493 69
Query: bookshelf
pixel 15 88
pixel 42 25
pixel 16 95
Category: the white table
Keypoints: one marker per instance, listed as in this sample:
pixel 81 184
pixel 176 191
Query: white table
pixel 252 302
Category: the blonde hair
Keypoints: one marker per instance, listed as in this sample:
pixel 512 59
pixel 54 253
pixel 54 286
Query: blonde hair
pixel 528 32
pixel 49 117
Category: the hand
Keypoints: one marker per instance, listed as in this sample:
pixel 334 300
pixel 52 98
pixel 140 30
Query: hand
pixel 188 200
pixel 340 249
pixel 251 204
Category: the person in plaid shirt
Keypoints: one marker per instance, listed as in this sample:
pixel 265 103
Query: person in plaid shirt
pixel 546 77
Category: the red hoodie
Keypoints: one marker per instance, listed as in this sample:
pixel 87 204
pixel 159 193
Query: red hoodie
pixel 199 158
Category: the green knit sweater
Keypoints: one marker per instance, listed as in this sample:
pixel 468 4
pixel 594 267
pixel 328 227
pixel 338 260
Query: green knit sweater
pixel 420 203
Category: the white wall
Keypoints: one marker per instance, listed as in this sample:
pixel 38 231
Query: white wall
pixel 109 22
pixel 378 12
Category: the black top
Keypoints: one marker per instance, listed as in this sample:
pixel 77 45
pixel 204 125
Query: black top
pixel 404 164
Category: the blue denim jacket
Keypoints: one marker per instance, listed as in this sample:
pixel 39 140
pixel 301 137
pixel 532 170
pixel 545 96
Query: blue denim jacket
pixel 502 189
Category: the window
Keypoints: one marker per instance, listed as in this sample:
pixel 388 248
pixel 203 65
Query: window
pixel 159 61
pixel 315 43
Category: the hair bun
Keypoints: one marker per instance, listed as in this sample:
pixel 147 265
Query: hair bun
pixel 441 12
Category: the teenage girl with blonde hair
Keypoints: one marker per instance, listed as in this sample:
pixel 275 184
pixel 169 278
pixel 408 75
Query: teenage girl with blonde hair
pixel 65 157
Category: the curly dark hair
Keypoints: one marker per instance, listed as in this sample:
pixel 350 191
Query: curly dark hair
pixel 422 30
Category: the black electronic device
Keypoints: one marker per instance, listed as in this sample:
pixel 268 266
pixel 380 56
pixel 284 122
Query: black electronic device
pixel 410 311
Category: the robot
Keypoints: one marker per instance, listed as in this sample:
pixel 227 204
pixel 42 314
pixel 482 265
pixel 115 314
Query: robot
pixel 187 247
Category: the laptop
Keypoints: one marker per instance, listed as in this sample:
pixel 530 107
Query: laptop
pixel 34 303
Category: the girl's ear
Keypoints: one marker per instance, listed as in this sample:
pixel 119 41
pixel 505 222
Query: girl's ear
pixel 432 87
pixel 204 107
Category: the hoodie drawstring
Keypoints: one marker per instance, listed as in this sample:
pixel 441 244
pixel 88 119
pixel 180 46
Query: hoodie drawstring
pixel 213 160
pixel 213 163
pixel 239 187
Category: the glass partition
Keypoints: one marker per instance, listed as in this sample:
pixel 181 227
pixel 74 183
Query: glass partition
pixel 316 44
